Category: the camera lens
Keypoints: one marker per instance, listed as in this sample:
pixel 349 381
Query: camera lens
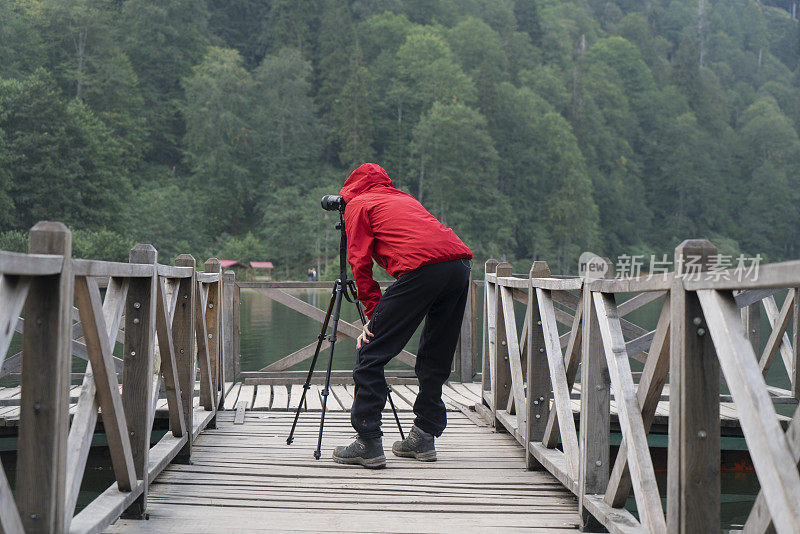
pixel 333 203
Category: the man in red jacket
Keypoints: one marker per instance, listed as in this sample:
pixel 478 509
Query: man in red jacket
pixel 432 269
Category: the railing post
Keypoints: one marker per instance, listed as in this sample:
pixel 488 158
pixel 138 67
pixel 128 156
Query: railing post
pixel 237 331
pixel 473 326
pixel 44 406
pixel 794 372
pixel 538 371
pixel 693 470
pixel 595 416
pixel 184 342
pixel 488 335
pixel 140 333
pixel 228 332
pixel 213 329
pixel 501 381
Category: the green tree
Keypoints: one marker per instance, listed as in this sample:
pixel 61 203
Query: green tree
pixel 287 132
pixel 352 114
pixel 64 163
pixel 21 46
pixel 219 140
pixel 456 176
pixel 164 40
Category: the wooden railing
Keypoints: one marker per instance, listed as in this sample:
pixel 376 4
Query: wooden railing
pixel 171 325
pixel 277 372
pixel 707 323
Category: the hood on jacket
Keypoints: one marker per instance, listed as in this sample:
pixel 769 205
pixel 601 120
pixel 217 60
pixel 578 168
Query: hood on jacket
pixel 363 179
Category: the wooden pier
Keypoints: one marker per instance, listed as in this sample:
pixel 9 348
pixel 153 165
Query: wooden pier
pixel 531 410
pixel 244 478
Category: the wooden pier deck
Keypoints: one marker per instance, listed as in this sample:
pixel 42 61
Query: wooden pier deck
pixel 244 478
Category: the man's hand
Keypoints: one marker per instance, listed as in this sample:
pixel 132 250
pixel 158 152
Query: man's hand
pixel 363 336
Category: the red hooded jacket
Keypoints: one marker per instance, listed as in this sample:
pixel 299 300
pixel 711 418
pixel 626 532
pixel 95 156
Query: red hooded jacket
pixel 393 228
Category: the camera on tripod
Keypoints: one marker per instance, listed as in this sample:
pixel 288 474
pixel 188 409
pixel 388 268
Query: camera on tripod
pixel 342 288
pixel 333 203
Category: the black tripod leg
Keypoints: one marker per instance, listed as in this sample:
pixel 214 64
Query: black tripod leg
pixel 313 364
pixel 336 309
pixel 394 411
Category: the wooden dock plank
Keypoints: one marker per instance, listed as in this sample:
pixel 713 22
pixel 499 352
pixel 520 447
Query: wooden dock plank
pixel 263 397
pixel 295 394
pixel 233 394
pixel 345 397
pixel 467 392
pixel 280 398
pixel 246 395
pixel 248 479
pixel 313 400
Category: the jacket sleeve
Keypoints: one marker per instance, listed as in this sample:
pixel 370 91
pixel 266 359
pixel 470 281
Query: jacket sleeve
pixel 360 243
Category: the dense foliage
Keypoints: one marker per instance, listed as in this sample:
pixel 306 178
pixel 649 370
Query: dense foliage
pixel 535 128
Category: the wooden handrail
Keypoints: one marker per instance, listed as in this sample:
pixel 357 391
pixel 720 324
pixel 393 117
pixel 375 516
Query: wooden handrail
pixel 708 328
pixel 14 263
pixel 157 304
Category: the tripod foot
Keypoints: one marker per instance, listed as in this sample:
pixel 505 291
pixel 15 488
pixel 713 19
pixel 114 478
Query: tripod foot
pixel 289 441
pixel 317 454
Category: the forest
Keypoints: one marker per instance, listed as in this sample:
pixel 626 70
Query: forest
pixel 536 129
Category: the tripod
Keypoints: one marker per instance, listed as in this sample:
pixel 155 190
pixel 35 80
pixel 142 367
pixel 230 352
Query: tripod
pixel 341 287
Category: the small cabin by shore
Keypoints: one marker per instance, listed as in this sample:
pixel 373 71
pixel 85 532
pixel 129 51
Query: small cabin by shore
pixel 260 271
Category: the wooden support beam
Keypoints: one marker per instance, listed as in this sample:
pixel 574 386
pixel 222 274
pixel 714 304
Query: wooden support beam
pixel 558 379
pixel 13 293
pixel 237 332
pixel 772 458
pixel 44 406
pixel 648 394
pixel 501 376
pixel 169 367
pixel 228 290
pixel 208 395
pixel 513 356
pixel 214 327
pixel 643 476
pixel 760 521
pixel 693 481
pixel 572 359
pixel 778 339
pixel 140 334
pixel 98 341
pixel 489 322
pixel 794 368
pixel 183 341
pixel 595 417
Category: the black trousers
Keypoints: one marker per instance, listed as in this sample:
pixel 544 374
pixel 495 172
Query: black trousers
pixel 438 294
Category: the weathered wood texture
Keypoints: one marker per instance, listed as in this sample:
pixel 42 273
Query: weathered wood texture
pixel 595 420
pixel 246 478
pixel 501 375
pixel 44 407
pixel 489 325
pixel 140 316
pixel 693 487
pixel 183 342
pixel 214 326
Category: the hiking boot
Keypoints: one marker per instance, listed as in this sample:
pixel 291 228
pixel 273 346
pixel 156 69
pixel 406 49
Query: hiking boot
pixel 363 451
pixel 418 444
